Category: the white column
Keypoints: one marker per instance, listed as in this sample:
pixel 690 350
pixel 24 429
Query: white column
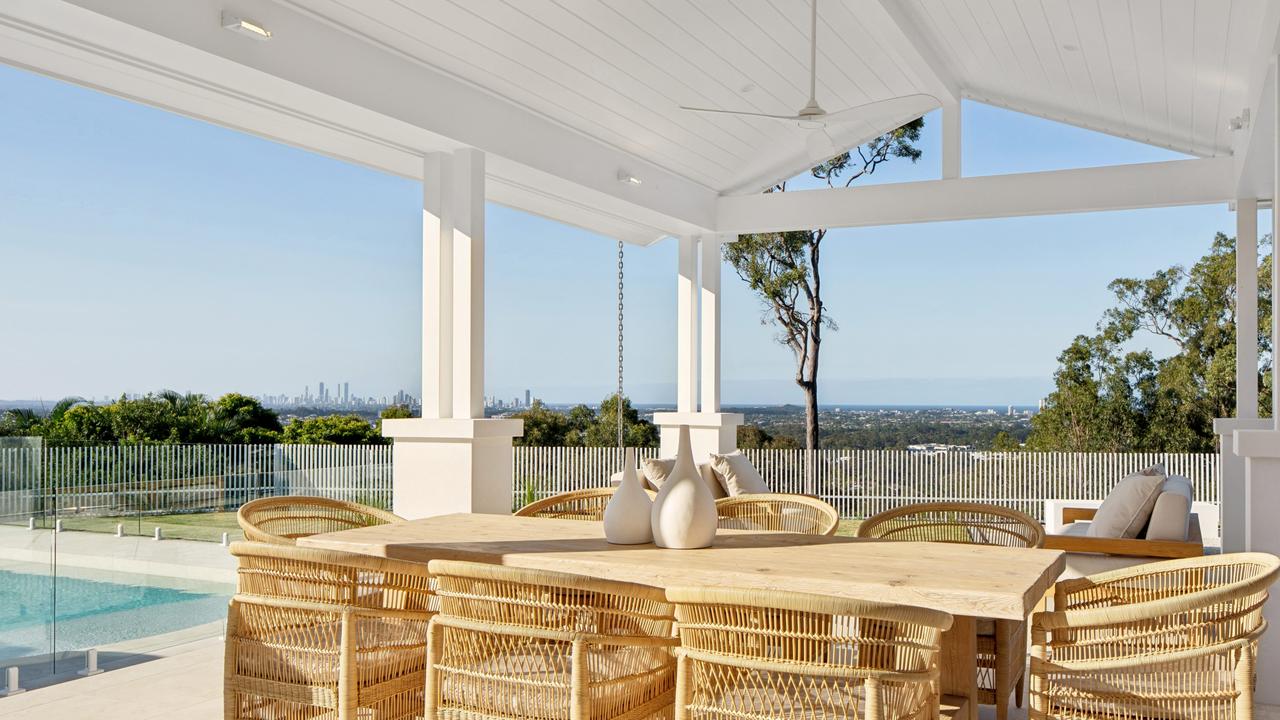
pixel 452 459
pixel 1247 308
pixel 710 431
pixel 1261 450
pixel 951 140
pixel 437 287
pixel 1235 511
pixel 468 284
pixel 687 326
pixel 710 330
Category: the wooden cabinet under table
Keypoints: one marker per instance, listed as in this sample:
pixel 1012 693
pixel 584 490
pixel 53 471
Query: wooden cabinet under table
pixel 968 581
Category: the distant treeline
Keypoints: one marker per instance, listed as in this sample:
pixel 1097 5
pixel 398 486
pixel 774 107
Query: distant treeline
pixel 175 418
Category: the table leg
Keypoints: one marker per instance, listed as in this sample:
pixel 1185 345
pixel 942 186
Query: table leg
pixel 959 662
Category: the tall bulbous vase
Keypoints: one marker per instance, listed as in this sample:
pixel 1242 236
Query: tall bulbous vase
pixel 626 517
pixel 684 513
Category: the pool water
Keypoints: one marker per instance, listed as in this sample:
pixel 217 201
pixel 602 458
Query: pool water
pixel 94 612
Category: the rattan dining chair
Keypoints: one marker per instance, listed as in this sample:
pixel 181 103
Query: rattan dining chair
pixel 778 512
pixel 285 519
pixel 760 655
pixel 1168 639
pixel 514 643
pixel 1002 644
pixel 576 505
pixel 316 633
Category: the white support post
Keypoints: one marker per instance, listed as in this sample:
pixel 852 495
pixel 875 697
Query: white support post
pixel 710 330
pixel 1246 308
pixel 468 284
pixel 1235 511
pixel 687 326
pixel 437 287
pixel 452 459
pixel 710 431
pixel 951 157
pixel 1261 450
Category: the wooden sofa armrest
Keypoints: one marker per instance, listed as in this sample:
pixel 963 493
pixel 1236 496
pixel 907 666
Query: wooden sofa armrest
pixel 1073 514
pixel 1130 547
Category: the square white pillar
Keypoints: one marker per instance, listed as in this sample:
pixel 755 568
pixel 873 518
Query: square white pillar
pixel 452 459
pixel 687 325
pixel 698 356
pixel 451 465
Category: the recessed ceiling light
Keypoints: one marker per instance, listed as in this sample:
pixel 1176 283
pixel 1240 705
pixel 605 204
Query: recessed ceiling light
pixel 1071 48
pixel 627 178
pixel 245 26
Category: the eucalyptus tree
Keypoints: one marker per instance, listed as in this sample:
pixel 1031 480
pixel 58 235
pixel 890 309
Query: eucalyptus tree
pixel 784 268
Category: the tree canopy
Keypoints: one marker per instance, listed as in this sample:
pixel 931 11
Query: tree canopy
pixel 164 417
pixel 333 430
pixel 170 417
pixel 583 425
pixel 1111 396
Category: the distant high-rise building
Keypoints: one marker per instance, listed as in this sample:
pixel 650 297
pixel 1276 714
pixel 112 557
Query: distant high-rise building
pixel 527 397
pixel 321 396
pixel 346 395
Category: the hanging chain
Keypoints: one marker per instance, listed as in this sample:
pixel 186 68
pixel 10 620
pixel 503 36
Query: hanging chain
pixel 619 397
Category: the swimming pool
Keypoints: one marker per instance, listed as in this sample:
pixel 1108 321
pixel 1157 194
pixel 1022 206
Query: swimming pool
pixel 97 609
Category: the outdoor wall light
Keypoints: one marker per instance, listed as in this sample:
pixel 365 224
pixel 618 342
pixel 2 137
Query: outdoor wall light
pixel 245 27
pixel 627 178
pixel 1240 121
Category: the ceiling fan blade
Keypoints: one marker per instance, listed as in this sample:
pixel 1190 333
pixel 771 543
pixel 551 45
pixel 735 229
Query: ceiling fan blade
pixel 739 112
pixel 850 114
pixel 819 145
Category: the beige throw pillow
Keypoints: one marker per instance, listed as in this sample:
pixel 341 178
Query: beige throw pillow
pixel 657 470
pixel 1128 506
pixel 737 474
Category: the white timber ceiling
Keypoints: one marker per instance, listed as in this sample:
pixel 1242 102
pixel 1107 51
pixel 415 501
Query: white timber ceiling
pixel 1165 72
pixel 1168 73
pixel 618 70
pixel 565 96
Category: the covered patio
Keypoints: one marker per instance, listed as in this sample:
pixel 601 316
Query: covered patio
pixel 573 111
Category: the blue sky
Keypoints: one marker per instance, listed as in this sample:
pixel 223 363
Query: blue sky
pixel 141 250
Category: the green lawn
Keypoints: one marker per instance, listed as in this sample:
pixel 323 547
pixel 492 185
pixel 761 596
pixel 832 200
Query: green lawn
pixel 185 526
pixel 848 527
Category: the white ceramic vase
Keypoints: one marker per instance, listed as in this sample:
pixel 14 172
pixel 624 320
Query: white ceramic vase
pixel 626 517
pixel 684 513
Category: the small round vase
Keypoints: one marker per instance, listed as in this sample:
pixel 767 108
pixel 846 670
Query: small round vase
pixel 626 517
pixel 684 513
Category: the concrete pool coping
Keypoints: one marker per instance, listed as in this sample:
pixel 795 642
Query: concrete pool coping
pixel 185 559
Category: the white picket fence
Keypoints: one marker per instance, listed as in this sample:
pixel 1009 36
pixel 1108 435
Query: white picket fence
pixel 151 479
pixel 860 483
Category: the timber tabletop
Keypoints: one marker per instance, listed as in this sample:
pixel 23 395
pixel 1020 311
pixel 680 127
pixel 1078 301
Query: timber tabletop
pixel 970 580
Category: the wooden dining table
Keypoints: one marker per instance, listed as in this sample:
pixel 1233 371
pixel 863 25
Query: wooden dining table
pixel 968 581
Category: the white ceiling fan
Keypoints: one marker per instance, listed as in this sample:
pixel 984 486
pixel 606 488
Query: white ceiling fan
pixel 812 116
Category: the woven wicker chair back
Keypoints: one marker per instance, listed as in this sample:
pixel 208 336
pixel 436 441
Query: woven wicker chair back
pixel 779 512
pixel 971 523
pixel 283 520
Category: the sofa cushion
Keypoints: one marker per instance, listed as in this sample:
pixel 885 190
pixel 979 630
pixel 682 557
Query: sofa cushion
pixel 657 470
pixel 713 480
pixel 1171 515
pixel 737 474
pixel 1127 508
